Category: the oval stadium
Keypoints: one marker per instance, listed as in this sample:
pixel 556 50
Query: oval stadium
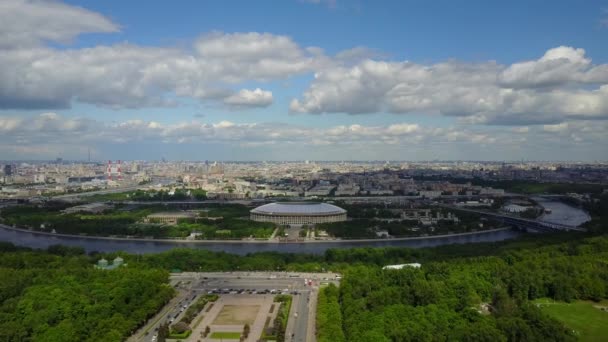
pixel 298 213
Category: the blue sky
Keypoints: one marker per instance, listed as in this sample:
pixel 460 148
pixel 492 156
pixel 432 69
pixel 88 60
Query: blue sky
pixel 285 80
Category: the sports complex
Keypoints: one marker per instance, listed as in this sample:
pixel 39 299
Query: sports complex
pixel 298 213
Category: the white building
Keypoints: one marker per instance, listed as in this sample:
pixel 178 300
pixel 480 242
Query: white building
pixel 514 208
pixel 401 266
pixel 430 193
pixel 294 213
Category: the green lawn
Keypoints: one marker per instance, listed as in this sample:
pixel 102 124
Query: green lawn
pixel 226 335
pixel 590 323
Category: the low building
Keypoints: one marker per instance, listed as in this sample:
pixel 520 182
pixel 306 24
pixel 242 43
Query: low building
pixel 379 192
pixel 223 196
pixel 347 190
pixel 103 264
pixel 170 217
pixel 492 192
pixel 320 190
pixel 514 208
pixel 93 208
pixel 430 193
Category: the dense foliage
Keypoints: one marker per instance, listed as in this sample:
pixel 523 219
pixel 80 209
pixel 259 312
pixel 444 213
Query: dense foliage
pixel 152 195
pixel 329 316
pixel 59 296
pixel 482 298
pixel 216 222
pixel 598 209
pixel 367 228
pixel 50 216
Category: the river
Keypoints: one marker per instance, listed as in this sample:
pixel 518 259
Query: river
pixel 562 213
pixel 33 240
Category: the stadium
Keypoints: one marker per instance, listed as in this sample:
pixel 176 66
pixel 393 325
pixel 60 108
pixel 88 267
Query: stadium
pixel 298 213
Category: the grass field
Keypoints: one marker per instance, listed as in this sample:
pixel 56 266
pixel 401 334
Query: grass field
pixel 237 315
pixel 227 335
pixel 589 322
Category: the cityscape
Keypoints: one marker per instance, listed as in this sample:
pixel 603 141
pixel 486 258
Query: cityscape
pixel 303 171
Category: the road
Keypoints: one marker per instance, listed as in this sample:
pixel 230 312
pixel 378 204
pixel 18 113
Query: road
pixel 301 315
pixel 168 313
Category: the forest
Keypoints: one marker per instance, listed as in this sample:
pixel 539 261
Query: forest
pixel 124 220
pixel 57 296
pixel 483 298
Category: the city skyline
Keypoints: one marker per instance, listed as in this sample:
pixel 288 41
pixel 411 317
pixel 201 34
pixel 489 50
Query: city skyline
pixel 236 82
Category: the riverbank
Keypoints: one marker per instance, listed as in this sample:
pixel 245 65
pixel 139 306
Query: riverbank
pixel 172 241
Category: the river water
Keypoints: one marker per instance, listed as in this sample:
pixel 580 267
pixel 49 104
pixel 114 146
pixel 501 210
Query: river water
pixel 28 239
pixel 562 213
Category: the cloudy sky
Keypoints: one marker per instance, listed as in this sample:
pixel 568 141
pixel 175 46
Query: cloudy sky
pixel 304 79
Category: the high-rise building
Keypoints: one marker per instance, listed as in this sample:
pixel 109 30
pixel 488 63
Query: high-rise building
pixel 8 170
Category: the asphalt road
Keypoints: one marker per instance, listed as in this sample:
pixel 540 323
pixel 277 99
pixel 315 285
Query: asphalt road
pixel 300 314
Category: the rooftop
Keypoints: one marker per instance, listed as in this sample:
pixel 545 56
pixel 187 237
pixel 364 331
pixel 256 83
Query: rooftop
pixel 298 208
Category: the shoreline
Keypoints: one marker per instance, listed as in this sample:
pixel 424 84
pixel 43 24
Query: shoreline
pixel 268 242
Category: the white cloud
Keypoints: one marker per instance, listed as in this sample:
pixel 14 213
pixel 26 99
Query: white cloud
pixel 328 3
pixel 130 76
pixel 482 92
pixel 54 132
pixel 34 75
pixel 557 67
pixel 250 98
pixel 524 129
pixel 30 22
pixel 556 128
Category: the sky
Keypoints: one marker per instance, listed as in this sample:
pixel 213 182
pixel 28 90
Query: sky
pixel 304 80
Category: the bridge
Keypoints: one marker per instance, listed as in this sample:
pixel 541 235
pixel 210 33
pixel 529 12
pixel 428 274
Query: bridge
pixel 519 222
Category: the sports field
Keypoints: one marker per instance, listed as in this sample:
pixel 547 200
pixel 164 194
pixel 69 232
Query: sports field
pixel 237 315
pixel 584 317
pixel 226 335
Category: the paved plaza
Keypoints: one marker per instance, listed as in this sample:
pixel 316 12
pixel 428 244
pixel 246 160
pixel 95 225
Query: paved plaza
pixel 244 298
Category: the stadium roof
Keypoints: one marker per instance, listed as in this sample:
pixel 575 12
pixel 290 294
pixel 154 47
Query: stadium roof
pixel 298 208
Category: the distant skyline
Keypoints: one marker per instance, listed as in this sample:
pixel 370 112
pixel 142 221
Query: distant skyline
pixel 304 79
